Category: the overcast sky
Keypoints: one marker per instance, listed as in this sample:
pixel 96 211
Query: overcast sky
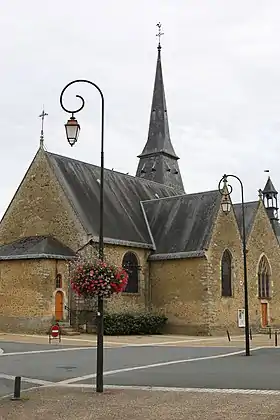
pixel 221 68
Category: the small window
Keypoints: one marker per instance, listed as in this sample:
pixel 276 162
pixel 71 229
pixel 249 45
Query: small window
pixel 264 278
pixel 226 274
pixel 58 282
pixel 130 264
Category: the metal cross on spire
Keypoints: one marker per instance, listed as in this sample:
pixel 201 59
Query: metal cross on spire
pixel 159 34
pixel 42 116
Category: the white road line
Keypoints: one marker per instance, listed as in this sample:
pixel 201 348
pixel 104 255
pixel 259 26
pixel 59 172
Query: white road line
pixel 121 345
pixel 33 388
pixel 156 389
pixel 46 351
pixel 162 343
pixel 24 379
pixel 172 362
pixel 184 340
pixel 117 345
pixel 175 389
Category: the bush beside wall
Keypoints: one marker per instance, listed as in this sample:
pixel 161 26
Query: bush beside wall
pixel 133 324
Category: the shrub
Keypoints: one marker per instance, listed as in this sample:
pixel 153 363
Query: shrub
pixel 133 323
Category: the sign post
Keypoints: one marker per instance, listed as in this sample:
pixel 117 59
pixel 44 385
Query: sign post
pixel 55 333
pixel 241 318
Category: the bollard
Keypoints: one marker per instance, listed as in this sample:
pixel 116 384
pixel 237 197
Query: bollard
pixel 269 332
pixel 17 388
pixel 251 337
pixel 276 339
pixel 228 336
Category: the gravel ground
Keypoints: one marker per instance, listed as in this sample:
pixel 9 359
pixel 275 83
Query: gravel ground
pixel 73 404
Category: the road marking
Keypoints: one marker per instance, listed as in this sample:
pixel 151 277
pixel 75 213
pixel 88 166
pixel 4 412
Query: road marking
pixel 55 350
pixel 156 389
pixel 1 351
pixel 162 343
pixel 175 389
pixel 47 351
pixel 33 388
pixel 185 340
pixel 123 344
pixel 172 362
pixel 24 379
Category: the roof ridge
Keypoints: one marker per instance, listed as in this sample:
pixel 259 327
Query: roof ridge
pixel 180 195
pixel 147 181
pixel 246 202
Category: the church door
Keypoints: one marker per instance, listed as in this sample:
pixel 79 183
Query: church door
pixel 59 306
pixel 264 315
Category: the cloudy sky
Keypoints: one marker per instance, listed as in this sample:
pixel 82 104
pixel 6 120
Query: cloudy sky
pixel 221 64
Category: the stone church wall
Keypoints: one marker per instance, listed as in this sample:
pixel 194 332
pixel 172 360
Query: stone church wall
pixel 40 208
pixel 27 294
pixel 180 290
pixel 262 241
pixel 223 311
pixel 134 302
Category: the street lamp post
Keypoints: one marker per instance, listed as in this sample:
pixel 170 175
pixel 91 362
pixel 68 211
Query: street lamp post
pixel 72 132
pixel 225 190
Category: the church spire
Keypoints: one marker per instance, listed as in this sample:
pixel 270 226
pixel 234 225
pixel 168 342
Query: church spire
pixel 270 200
pixel 158 160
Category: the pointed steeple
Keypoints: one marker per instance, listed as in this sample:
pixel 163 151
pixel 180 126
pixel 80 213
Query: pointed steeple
pixel 270 200
pixel 158 160
pixel 269 187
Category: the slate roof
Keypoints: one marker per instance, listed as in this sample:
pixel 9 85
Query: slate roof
pixel 276 227
pixel 250 210
pixel 34 247
pixel 182 224
pixel 123 217
pixel 159 136
pixel 158 160
pixel 269 187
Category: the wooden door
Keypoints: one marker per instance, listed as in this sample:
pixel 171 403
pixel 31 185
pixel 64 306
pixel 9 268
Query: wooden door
pixel 264 315
pixel 59 306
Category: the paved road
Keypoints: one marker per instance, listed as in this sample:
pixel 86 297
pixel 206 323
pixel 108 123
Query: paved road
pixel 213 367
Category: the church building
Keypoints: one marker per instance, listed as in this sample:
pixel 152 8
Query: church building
pixel 183 252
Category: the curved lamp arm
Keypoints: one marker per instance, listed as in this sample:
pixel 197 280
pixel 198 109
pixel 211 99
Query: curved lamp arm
pixel 80 97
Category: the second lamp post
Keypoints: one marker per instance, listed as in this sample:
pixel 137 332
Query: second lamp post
pixel 72 132
pixel 225 190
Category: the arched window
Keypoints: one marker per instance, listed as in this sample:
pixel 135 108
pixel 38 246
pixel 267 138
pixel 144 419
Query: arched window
pixel 226 274
pixel 58 281
pixel 130 263
pixel 264 278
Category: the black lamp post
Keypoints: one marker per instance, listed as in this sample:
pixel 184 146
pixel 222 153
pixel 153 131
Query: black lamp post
pixel 226 190
pixel 72 132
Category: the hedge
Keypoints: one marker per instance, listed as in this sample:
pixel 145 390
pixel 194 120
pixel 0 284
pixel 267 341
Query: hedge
pixel 133 324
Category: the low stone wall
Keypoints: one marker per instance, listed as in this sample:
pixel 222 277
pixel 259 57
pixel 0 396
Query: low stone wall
pixel 39 325
pixel 188 329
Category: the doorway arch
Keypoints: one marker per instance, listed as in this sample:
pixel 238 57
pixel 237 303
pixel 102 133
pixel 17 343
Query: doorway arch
pixel 59 303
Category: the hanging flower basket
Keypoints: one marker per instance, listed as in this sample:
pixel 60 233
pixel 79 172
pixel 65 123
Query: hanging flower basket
pixel 98 278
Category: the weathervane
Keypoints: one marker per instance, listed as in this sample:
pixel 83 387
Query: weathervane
pixel 159 34
pixel 42 116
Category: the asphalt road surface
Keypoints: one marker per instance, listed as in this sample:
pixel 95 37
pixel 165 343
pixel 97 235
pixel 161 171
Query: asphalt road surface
pixel 155 366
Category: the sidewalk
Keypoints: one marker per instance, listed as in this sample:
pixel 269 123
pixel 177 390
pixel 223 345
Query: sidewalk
pixel 163 340
pixel 73 404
